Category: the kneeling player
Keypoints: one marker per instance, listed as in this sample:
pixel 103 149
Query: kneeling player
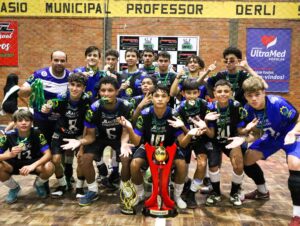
pixel 24 151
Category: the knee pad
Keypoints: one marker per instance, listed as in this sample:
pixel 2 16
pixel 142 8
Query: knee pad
pixel 294 186
pixel 255 173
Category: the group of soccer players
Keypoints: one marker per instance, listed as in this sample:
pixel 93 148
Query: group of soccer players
pixel 88 110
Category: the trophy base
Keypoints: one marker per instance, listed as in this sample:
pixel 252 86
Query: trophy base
pixel 160 213
pixel 128 211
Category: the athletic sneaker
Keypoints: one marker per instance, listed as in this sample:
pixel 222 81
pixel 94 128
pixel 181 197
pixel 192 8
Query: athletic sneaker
pixel 256 195
pixel 13 195
pixel 40 190
pixel 180 203
pixel 235 200
pixel 107 184
pixel 212 199
pixel 59 192
pixel 295 221
pixel 79 193
pixel 207 187
pixel 88 198
pixel 191 200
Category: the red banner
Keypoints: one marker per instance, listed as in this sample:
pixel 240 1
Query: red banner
pixel 8 43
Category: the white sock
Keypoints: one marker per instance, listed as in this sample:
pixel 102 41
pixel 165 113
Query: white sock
pixel 178 188
pixel 214 176
pixel 62 181
pixel 140 191
pixel 79 183
pixel 196 185
pixel 237 179
pixel 39 181
pixel 93 187
pixel 296 211
pixel 262 188
pixel 11 183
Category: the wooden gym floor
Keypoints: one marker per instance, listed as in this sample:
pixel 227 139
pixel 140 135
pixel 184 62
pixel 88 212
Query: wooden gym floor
pixel 30 210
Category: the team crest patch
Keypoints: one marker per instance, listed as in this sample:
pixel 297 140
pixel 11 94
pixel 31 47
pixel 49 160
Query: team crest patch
pixel 128 91
pixel 2 141
pixel 243 113
pixel 44 73
pixel 42 138
pixel 89 115
pixel 285 111
pixel 139 122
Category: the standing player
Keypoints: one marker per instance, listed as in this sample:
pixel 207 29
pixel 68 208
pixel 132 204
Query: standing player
pixel 153 127
pixel 72 106
pixel 102 115
pixel 148 57
pixel 279 124
pixel 24 151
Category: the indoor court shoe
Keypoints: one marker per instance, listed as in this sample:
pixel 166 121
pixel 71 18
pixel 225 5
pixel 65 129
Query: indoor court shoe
pixel 295 221
pixel 88 198
pixel 12 195
pixel 79 193
pixel 59 192
pixel 40 190
pixel 212 199
pixel 256 195
pixel 235 200
pixel 191 200
pixel 180 203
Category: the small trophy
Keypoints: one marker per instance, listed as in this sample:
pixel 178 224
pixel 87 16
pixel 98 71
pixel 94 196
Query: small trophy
pixel 104 100
pixel 160 160
pixel 49 104
pixel 128 198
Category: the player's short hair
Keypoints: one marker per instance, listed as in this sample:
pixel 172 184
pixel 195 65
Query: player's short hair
pixel 164 54
pixel 22 114
pixel 163 88
pixel 223 82
pixel 91 49
pixel 152 78
pixel 78 77
pixel 51 56
pixel 253 84
pixel 112 52
pixel 198 60
pixel 107 80
pixel 132 50
pixel 232 50
pixel 190 84
pixel 149 50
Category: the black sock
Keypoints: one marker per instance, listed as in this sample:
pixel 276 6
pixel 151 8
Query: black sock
pixel 68 170
pixel 255 173
pixel 102 169
pixel 294 186
pixel 234 188
pixel 216 187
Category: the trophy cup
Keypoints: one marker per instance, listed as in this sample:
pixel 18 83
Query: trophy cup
pixel 128 198
pixel 160 160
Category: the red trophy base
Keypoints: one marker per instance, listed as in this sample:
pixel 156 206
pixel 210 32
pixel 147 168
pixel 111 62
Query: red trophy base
pixel 160 160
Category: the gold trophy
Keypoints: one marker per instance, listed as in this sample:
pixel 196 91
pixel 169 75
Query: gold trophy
pixel 128 198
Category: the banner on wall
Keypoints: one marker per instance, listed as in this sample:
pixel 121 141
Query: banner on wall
pixel 179 47
pixel 8 43
pixel 268 53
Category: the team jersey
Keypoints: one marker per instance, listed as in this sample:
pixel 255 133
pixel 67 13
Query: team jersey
pixel 148 70
pixel 70 123
pixel 155 130
pixel 52 85
pixel 165 79
pixel 192 109
pixel 235 79
pixel 231 118
pixel 135 84
pixel 278 117
pixel 34 146
pixel 93 79
pixel 106 120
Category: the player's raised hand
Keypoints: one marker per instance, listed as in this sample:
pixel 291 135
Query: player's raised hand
pixel 198 122
pixel 126 150
pixel 251 125
pixel 291 137
pixel 146 100
pixel 243 64
pixel 177 123
pixel 196 132
pixel 213 66
pixel 236 142
pixel 71 144
pixel 212 116
pixel 124 122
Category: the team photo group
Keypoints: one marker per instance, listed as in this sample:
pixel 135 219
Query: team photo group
pixel 196 114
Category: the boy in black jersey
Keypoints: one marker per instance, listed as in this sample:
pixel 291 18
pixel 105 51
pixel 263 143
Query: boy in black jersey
pixel 193 108
pixel 229 123
pixel 233 61
pixel 148 57
pixel 154 127
pixel 24 151
pixel 72 106
pixel 103 115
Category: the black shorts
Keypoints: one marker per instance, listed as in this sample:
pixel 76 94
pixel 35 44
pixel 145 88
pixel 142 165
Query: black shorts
pixel 57 141
pixel 98 146
pixel 46 127
pixel 18 164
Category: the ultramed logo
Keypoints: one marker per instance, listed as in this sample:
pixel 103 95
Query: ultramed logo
pixel 268 40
